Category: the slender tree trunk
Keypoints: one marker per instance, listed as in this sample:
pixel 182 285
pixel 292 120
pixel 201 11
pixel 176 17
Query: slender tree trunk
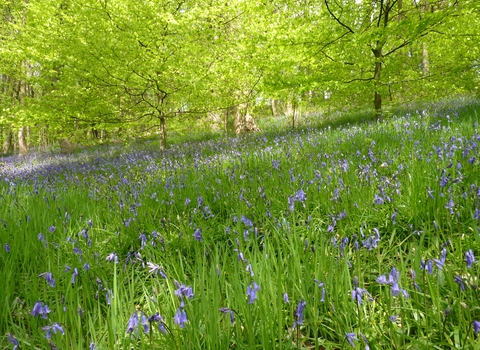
pixel 163 133
pixel 377 102
pixel 273 105
pixel 425 62
pixel 289 109
pixel 8 143
pixel 22 140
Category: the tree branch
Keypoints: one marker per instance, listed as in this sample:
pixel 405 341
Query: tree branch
pixel 337 19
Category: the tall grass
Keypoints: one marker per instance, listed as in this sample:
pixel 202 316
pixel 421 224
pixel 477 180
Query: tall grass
pixel 322 238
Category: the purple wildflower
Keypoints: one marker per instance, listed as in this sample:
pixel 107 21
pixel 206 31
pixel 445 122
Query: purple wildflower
pixel 132 323
pixel 40 309
pixel 7 248
pixel 450 205
pixel 56 328
pixel 357 293
pixel 246 221
pixel 92 346
pixel 225 310
pixel 476 326
pixel 250 269
pixel 350 338
pixel 156 318
pixel 113 257
pixel 441 262
pixel 51 229
pixel 393 282
pixel 470 259
pixel 156 269
pixel 299 313
pixel 285 298
pixel 180 317
pixel 198 234
pixel 240 255
pixel 183 291
pixel 13 341
pixel 459 280
pixel 74 275
pixel 49 278
pixel 252 292
pixel 108 296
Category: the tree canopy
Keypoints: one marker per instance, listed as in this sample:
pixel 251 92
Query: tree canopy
pixel 72 65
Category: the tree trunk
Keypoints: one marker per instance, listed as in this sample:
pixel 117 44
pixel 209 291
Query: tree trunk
pixel 273 105
pixel 8 143
pixel 289 109
pixel 163 133
pixel 243 121
pixel 22 140
pixel 425 62
pixel 377 102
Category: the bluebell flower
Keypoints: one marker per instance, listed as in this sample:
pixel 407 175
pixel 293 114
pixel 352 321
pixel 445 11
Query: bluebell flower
pixel 113 257
pixel 414 274
pixel 132 323
pixel 49 278
pixel 225 310
pixel 156 318
pixel 350 338
pixel 476 326
pixel 246 221
pixel 427 266
pixel 285 298
pixel 430 193
pixel 319 284
pixel 51 229
pixel 86 266
pixel 146 327
pixel 241 257
pixel 300 196
pixel 250 269
pixel 252 292
pixel 357 292
pixel 198 234
pixel 13 341
pixel 74 275
pixel 459 280
pixel 143 240
pixel 470 259
pixel 393 318
pixel 108 296
pixel 180 317
pixel 40 309
pixel 450 205
pixel 56 328
pixel 299 313
pixel 41 238
pixel 156 269
pixel 92 346
pixel 393 282
pixel 7 248
pixel 441 262
pixel 183 291
pixel 378 200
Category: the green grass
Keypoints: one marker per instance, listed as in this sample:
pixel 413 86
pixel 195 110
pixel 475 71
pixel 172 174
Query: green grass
pixel 293 211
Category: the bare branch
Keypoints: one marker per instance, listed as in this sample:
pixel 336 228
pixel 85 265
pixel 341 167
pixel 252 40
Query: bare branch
pixel 337 19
